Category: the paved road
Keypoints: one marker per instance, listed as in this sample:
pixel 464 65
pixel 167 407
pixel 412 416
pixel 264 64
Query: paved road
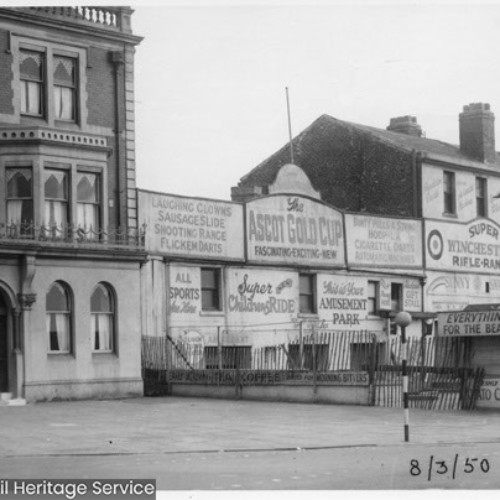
pixel 189 444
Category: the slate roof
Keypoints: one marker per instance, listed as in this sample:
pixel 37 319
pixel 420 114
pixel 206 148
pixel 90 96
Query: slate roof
pixel 266 171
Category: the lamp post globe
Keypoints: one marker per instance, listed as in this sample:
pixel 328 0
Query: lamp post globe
pixel 403 318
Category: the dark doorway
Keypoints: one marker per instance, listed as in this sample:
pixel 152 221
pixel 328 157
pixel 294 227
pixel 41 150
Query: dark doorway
pixel 4 350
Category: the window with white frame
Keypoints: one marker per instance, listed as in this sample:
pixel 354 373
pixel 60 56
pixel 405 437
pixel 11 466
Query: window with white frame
pixel 56 199
pixel 88 203
pixel 58 318
pixel 32 72
pixel 65 87
pixel 372 297
pixel 19 196
pixel 210 289
pixel 102 319
pixel 307 299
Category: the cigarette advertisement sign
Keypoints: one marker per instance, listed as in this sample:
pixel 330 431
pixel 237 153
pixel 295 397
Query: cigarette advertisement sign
pixel 384 242
pixel 468 323
pixel 294 230
pixel 191 227
pixel 471 247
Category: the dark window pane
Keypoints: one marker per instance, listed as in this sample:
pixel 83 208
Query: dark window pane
pixel 100 300
pixel 31 65
pixel 87 188
pixel 57 299
pixel 56 185
pixel 19 183
pixel 209 278
pixel 64 71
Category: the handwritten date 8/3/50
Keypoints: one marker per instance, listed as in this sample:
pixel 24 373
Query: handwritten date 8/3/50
pixel 435 467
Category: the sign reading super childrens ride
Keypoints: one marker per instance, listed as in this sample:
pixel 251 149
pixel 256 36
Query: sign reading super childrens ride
pixel 294 230
pixel 194 227
pixel 471 247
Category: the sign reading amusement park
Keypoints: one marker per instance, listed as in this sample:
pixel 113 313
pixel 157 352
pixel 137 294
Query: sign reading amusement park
pixel 191 227
pixel 383 242
pixel 470 247
pixel 294 230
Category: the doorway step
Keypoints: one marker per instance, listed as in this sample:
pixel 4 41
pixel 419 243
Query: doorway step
pixel 6 399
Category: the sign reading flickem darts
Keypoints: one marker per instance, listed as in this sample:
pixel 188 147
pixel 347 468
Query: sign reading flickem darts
pixel 474 246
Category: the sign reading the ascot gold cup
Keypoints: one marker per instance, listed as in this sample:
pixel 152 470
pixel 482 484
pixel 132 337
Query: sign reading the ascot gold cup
pixel 177 225
pixel 294 230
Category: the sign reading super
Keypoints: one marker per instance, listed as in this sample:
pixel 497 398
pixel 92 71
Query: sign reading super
pixel 293 229
pixel 474 246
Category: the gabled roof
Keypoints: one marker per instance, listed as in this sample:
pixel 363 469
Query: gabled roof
pixel 266 171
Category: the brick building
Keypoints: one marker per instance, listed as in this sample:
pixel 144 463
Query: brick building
pixel 70 248
pixel 453 189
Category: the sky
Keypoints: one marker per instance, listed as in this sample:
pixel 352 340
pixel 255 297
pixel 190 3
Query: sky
pixel 211 76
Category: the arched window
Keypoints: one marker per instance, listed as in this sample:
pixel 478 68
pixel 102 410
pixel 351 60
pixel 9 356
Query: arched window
pixel 58 307
pixel 102 319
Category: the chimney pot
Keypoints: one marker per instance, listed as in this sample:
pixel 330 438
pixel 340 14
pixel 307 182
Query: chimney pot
pixel 405 125
pixel 477 132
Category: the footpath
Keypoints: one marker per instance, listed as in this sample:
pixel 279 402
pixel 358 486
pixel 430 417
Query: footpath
pixel 180 425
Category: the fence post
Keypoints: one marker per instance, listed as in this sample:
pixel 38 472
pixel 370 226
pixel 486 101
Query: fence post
pixel 403 319
pixel 219 350
pixel 301 346
pixel 315 381
pixel 372 367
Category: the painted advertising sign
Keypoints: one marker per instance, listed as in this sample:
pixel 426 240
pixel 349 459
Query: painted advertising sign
pixel 489 394
pixel 294 230
pixel 468 323
pixel 184 293
pixel 191 227
pixel 471 247
pixel 380 241
pixel 261 295
pixel 343 299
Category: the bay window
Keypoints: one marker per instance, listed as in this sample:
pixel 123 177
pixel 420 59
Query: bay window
pixel 88 203
pixel 20 197
pixel 56 199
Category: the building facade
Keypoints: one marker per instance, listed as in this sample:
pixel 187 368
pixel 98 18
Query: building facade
pixel 70 246
pixel 241 279
pixel 453 190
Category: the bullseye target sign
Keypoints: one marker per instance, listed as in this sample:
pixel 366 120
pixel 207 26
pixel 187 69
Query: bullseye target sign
pixel 435 245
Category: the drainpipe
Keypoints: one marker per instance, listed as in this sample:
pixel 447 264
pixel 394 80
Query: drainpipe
pixel 118 59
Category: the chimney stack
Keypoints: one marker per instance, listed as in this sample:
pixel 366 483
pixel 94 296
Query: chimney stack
pixel 405 125
pixel 477 132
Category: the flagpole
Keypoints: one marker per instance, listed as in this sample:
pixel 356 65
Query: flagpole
pixel 289 124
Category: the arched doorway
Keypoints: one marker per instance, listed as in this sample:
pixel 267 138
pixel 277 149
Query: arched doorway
pixel 4 346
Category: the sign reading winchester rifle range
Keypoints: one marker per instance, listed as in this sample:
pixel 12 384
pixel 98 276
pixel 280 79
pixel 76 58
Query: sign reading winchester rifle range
pixel 464 247
pixel 193 227
pixel 383 242
pixel 294 230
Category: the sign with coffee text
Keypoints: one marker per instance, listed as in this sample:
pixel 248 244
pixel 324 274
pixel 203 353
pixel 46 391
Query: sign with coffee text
pixel 294 230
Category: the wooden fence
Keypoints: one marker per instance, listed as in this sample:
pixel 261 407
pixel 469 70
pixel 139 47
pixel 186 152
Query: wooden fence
pixel 440 373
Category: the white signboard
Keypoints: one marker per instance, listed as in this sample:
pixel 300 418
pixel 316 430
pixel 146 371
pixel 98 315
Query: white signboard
pixel 471 247
pixel 468 323
pixel 489 394
pixel 380 241
pixel 294 230
pixel 191 227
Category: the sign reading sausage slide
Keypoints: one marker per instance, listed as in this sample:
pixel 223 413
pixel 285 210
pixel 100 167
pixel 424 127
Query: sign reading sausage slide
pixel 195 227
pixel 294 230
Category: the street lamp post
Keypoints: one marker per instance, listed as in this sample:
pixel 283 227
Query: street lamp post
pixel 403 319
